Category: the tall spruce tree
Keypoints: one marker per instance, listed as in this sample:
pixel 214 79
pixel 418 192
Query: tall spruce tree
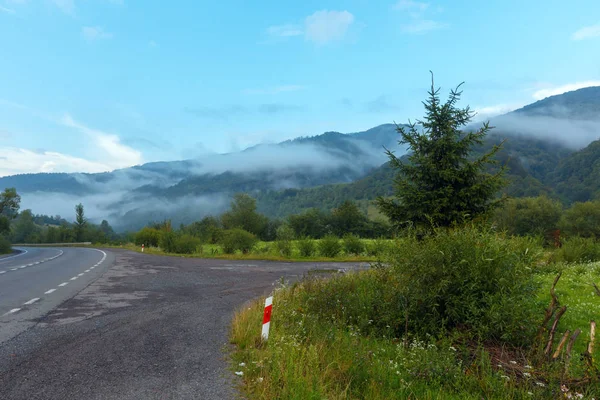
pixel 80 223
pixel 441 184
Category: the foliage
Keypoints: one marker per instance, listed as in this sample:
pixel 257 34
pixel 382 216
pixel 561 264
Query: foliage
pixel 440 185
pixel 378 247
pixel 306 247
pixel 329 246
pixel 353 244
pixel 150 237
pixel 536 216
pixel 9 203
pixel 312 222
pixel 208 229
pixel 243 215
pixel 24 229
pixel 187 244
pixel 5 247
pixel 577 249
pixel 168 241
pixel 347 218
pixel 582 219
pixel 80 223
pixel 283 244
pixel 238 240
pixel 468 279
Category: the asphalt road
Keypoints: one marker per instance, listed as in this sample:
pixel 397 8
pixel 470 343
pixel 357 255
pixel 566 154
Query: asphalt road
pixel 37 280
pixel 146 327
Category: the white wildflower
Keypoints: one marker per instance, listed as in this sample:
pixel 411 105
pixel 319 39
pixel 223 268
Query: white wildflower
pixel 513 362
pixel 526 374
pixel 540 384
pixel 239 373
pixel 505 377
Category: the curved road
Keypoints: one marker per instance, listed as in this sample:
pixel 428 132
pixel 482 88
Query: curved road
pixel 129 326
pixel 37 280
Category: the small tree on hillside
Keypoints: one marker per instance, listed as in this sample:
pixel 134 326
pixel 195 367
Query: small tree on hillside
pixel 440 185
pixel 80 223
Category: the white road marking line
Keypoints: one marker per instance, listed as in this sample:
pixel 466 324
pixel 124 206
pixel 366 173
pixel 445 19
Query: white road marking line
pixel 63 284
pixel 50 291
pixel 17 255
pixel 23 266
pixel 14 310
pixel 35 263
pixel 31 301
pixel 87 270
pixel 79 274
pixel 13 269
pixel 29 265
pixel 73 278
pixel 2 272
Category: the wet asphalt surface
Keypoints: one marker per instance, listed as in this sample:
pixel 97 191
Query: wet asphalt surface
pixel 150 327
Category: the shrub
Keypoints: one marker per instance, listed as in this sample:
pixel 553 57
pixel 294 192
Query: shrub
pixel 187 244
pixel 578 249
pixel 468 279
pixel 285 235
pixel 168 241
pixel 5 247
pixel 149 237
pixel 353 244
pixel 330 246
pixel 238 239
pixel 529 216
pixel 306 246
pixel 582 219
pixel 378 247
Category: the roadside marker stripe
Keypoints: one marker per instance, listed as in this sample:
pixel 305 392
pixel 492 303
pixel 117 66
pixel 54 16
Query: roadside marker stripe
pixel 267 317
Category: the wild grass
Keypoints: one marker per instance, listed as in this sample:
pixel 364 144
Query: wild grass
pixel 345 337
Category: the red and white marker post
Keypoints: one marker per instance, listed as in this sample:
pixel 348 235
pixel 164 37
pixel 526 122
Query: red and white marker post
pixel 267 317
pixel 142 248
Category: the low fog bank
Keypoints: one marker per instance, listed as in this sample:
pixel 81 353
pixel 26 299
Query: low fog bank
pixel 124 212
pixel 573 133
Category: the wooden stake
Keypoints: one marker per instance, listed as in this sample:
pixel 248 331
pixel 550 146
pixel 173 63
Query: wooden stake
pixel 561 344
pixel 559 314
pixel 570 347
pixel 592 338
pixel 551 308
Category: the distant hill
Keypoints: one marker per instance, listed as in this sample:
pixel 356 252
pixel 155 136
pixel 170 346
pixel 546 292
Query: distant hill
pixel 546 151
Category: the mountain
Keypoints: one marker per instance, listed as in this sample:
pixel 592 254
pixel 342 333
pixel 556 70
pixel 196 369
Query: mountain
pixel 546 150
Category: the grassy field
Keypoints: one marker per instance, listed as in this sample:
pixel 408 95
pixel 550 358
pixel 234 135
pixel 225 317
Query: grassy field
pixel 311 357
pixel 266 251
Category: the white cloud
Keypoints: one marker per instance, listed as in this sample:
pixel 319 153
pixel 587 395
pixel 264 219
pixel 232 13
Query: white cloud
pixel 416 23
pixel 552 91
pixel 275 90
pixel 7 10
pixel 321 27
pixel 285 30
pixel 326 26
pixel 422 26
pixel 484 113
pixel 66 6
pixel 95 33
pixel 113 151
pixel 18 161
pixel 587 32
pixel 409 5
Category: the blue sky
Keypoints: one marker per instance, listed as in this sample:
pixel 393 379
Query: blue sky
pixel 93 85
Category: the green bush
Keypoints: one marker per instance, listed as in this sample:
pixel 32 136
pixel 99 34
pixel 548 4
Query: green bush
pixel 473 281
pixel 582 219
pixel 468 279
pixel 353 245
pixel 187 244
pixel 5 247
pixel 168 241
pixel 529 216
pixel 238 239
pixel 330 246
pixel 149 237
pixel 378 247
pixel 578 249
pixel 307 247
pixel 283 244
